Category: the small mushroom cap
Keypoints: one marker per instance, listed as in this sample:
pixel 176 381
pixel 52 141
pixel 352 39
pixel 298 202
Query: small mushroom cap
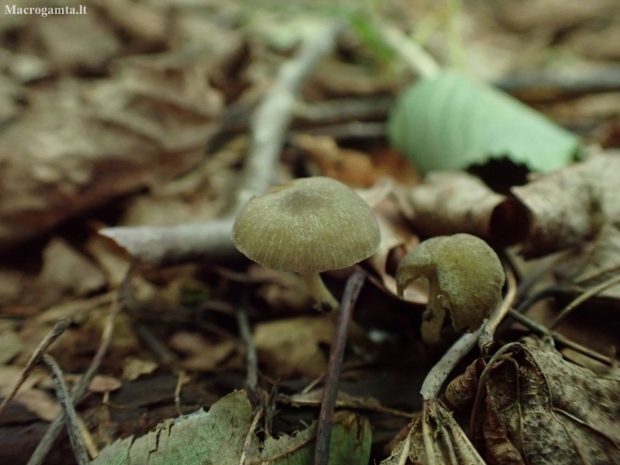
pixel 307 226
pixel 466 273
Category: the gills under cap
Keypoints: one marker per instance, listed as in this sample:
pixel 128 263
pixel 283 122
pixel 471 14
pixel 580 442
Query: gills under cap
pixel 308 225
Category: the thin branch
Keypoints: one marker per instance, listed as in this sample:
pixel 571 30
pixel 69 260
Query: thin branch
pixel 614 280
pixel 205 241
pixel 71 419
pixel 439 373
pixel 59 328
pixel 251 357
pixel 334 366
pixel 248 438
pixel 411 52
pixel 486 337
pixel 542 330
pixel 44 446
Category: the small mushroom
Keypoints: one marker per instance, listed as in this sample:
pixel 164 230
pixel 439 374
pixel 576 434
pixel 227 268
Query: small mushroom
pixel 465 277
pixel 307 226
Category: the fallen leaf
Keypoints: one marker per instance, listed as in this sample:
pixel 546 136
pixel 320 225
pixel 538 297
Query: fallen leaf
pixel 219 436
pixel 292 346
pixel 447 203
pixel 538 408
pixel 202 354
pixel 65 270
pixel 103 383
pixel 134 367
pixel 571 205
pixel 442 436
pixel 439 128
pixel 10 346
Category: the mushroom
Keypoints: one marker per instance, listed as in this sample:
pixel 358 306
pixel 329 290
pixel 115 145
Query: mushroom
pixel 465 277
pixel 307 226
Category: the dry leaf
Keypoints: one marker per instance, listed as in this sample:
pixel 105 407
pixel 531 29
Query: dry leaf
pixel 97 45
pixel 538 408
pixel 291 347
pixel 10 346
pixel 570 205
pixel 455 202
pixel 202 354
pixel 441 434
pixel 65 270
pixel 134 367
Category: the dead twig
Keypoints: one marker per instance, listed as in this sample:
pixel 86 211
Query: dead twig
pixel 248 438
pixel 439 373
pixel 488 331
pixel 206 241
pixel 542 330
pixel 251 357
pixel 614 280
pixel 59 328
pixel 334 366
pixel 71 418
pixel 44 446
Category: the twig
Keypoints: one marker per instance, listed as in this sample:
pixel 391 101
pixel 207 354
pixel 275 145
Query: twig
pixel 181 378
pixel 334 366
pixel 412 53
pixel 486 337
pixel 542 330
pixel 175 244
pixel 248 438
pixel 163 355
pixel 585 296
pixel 59 328
pixel 352 130
pixel 439 373
pixel 79 449
pixel 38 456
pixel 251 357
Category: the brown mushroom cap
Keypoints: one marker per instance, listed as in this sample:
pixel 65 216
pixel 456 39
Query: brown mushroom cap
pixel 307 226
pixel 466 279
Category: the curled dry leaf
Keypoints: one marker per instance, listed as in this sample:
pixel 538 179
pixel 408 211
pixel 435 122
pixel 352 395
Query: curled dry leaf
pixel 56 160
pixel 98 43
pixel 441 434
pixel 65 270
pixel 537 408
pixel 134 367
pixel 570 205
pixel 452 202
pixel 599 262
pixel 292 347
pixel 202 355
pixel 396 239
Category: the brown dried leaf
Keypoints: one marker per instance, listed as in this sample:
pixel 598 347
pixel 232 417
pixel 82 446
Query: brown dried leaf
pixel 134 367
pixel 570 205
pixel 540 409
pixel 447 203
pixel 203 355
pixel 291 347
pixel 599 262
pixel 65 270
pixel 441 434
pixel 10 346
pixel 97 45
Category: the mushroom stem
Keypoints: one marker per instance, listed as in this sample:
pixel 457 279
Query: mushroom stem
pixel 320 293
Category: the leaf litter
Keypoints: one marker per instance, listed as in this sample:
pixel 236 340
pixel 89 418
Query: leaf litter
pixel 144 121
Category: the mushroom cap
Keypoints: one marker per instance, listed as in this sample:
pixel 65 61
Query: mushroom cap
pixel 308 225
pixel 468 273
